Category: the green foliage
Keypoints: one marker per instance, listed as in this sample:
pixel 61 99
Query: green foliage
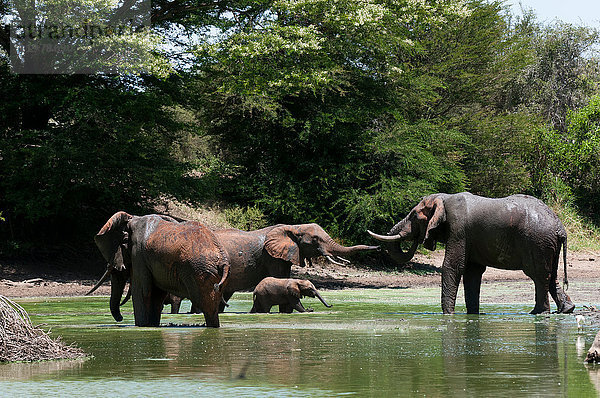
pixel 404 164
pixel 98 147
pixel 573 158
pixel 340 112
pixel 497 162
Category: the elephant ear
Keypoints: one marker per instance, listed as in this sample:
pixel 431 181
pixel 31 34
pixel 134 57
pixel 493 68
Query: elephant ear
pixel 112 239
pixel 279 244
pixel 294 290
pixel 437 218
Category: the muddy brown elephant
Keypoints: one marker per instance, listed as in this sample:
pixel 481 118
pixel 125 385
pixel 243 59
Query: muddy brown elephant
pixel 272 251
pixel 160 255
pixel 518 232
pixel 286 293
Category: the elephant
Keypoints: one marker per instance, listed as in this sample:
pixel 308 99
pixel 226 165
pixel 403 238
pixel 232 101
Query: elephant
pixel 174 301
pixel 161 255
pixel 518 232
pixel 283 292
pixel 273 250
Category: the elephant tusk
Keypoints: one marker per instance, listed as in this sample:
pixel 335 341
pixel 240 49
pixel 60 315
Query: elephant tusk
pixel 127 296
pixel 342 259
pixel 385 238
pixel 101 281
pixel 333 261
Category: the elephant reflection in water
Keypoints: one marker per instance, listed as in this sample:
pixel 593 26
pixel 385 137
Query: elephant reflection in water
pixel 473 346
pixel 268 355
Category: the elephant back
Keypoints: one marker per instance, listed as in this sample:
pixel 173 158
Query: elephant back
pixel 192 243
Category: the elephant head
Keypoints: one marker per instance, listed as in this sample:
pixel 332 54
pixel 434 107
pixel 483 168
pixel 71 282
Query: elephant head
pixel 303 288
pixel 422 225
pixel 113 242
pixel 300 243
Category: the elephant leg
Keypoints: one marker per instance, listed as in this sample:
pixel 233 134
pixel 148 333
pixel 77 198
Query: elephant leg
pixel 210 307
pixel 472 286
pixel 175 304
pixel 564 305
pixel 254 308
pixel 203 297
pixel 286 308
pixel 452 270
pixel 297 305
pixel 156 305
pixel 147 299
pixel 260 306
pixel 542 304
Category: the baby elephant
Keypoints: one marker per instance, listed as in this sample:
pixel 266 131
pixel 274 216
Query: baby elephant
pixel 283 292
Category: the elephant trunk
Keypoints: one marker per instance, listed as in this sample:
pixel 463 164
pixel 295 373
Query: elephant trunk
pixel 127 296
pixel 336 249
pixel 399 255
pixel 317 295
pixel 116 292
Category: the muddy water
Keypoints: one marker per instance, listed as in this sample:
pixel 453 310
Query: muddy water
pixel 370 343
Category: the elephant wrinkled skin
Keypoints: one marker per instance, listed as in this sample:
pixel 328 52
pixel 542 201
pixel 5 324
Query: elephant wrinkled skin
pixel 160 256
pixel 283 292
pixel 518 232
pixel 272 251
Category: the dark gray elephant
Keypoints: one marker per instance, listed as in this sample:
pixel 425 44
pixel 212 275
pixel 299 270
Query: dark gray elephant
pixel 286 293
pixel 518 232
pixel 272 251
pixel 160 255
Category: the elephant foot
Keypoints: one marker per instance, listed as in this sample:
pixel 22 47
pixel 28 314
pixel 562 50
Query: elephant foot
pixel 567 308
pixel 536 311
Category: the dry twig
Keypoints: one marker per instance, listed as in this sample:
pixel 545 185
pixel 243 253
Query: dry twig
pixel 21 341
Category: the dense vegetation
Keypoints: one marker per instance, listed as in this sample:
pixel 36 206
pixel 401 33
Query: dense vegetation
pixel 339 112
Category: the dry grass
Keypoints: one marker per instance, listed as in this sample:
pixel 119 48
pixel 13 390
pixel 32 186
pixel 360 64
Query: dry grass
pixel 21 341
pixel 215 216
pixel 212 217
pixel 582 235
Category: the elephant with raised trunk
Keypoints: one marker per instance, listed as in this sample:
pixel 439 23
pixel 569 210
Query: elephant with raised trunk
pixel 160 255
pixel 518 232
pixel 283 292
pixel 272 251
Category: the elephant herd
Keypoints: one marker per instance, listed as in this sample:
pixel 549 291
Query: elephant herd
pixel 162 256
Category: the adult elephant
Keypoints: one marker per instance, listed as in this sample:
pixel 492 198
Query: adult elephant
pixel 160 256
pixel 272 251
pixel 518 232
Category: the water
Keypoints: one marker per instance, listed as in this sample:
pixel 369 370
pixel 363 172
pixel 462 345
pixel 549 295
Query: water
pixel 384 342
